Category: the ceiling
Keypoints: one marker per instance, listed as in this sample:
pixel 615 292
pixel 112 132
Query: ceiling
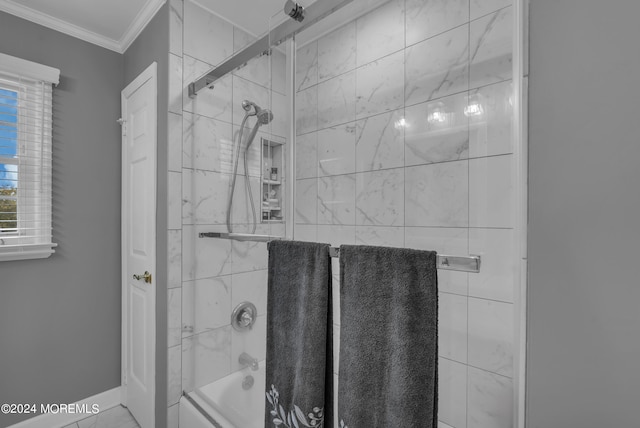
pixel 114 24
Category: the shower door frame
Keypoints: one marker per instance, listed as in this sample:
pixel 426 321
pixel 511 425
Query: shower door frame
pixel 520 175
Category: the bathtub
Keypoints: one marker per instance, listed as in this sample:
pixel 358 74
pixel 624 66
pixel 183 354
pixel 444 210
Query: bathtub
pixel 225 404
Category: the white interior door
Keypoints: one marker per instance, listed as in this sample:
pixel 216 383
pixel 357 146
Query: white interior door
pixel 139 245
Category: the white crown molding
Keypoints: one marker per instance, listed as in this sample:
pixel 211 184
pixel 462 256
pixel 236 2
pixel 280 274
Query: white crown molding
pixel 145 15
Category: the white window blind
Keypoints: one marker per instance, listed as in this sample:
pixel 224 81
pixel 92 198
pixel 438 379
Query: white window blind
pixel 25 158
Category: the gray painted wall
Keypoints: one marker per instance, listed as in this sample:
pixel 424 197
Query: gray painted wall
pixel 584 232
pixel 153 45
pixel 60 317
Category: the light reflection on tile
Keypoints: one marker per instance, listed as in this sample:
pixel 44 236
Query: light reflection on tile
pixel 437 131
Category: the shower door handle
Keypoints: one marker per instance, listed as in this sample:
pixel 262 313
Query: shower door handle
pixel 146 276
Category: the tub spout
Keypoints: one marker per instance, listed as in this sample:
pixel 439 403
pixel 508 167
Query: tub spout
pixel 248 361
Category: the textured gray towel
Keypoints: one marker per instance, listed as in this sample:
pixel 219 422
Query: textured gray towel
pixel 388 338
pixel 299 336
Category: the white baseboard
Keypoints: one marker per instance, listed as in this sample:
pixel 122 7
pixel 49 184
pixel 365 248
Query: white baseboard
pixel 104 401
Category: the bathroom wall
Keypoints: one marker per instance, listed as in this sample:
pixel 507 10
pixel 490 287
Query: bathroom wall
pixel 583 318
pixel 60 317
pixel 209 277
pixel 403 122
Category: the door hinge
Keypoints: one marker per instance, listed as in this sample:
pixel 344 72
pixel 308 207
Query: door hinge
pixel 123 123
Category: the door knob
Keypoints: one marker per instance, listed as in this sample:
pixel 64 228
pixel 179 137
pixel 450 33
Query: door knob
pixel 146 276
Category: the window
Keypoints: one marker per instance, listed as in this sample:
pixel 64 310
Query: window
pixel 25 158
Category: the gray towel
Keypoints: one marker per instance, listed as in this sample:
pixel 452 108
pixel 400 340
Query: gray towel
pixel 388 338
pixel 299 336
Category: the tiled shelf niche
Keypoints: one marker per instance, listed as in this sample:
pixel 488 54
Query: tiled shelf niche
pixel 273 183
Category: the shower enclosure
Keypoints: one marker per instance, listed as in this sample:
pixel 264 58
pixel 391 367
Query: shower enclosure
pixel 390 122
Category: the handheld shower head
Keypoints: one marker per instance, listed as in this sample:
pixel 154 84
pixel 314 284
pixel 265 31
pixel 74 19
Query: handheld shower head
pixel 246 105
pixel 264 116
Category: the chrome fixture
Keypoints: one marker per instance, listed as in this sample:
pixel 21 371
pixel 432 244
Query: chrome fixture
pixel 263 117
pixel 469 263
pixel 294 10
pixel 244 316
pixel 248 382
pixel 247 360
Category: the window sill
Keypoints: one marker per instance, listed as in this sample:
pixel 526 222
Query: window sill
pixel 26 252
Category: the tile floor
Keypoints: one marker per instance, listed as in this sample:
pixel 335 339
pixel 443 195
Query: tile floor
pixel 116 417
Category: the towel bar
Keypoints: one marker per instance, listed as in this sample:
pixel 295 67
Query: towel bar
pixel 445 262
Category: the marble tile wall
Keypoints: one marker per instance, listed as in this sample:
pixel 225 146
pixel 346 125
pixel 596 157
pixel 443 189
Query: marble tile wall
pixel 208 277
pixel 404 138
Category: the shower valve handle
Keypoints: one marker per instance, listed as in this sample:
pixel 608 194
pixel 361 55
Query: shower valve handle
pixel 246 318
